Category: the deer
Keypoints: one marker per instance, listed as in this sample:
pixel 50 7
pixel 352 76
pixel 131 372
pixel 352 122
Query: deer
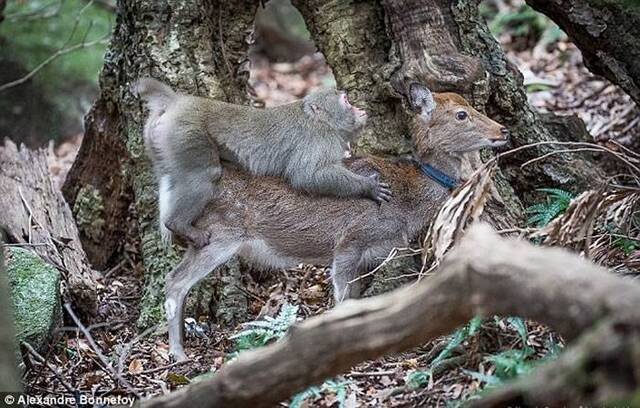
pixel 269 224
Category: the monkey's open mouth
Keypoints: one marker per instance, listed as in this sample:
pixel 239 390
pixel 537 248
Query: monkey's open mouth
pixel 359 112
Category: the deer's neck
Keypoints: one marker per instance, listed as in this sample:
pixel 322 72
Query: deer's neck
pixel 443 162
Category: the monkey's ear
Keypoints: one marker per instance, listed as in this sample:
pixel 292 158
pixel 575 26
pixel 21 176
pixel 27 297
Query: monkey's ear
pixel 421 101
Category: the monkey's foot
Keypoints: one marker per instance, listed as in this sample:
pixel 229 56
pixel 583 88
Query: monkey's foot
pixel 380 191
pixel 198 238
pixel 190 235
pixel 178 355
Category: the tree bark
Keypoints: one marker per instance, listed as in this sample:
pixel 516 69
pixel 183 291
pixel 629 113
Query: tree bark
pixel 606 32
pixel 198 47
pixel 485 275
pixel 34 213
pixel 352 37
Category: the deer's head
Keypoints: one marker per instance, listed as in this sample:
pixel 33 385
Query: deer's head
pixel 447 123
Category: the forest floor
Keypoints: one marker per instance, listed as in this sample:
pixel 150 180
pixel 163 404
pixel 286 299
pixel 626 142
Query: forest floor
pixel 440 373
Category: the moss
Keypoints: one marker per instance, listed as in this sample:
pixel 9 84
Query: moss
pixel 158 260
pixel 35 292
pixel 632 400
pixel 89 213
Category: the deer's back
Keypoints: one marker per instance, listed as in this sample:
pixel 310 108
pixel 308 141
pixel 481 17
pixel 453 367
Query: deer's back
pixel 267 211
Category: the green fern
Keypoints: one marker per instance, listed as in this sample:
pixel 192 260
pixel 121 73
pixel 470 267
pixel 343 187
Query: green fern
pixel 556 203
pixel 514 363
pixel 261 332
pixel 420 378
pixel 339 388
pixel 627 245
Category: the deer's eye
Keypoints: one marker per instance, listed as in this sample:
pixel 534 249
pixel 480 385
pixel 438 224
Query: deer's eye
pixel 461 115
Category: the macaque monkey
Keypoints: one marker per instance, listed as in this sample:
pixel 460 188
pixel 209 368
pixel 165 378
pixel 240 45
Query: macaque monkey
pixel 286 227
pixel 303 142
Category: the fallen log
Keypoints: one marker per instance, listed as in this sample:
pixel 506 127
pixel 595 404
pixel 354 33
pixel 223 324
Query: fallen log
pixel 35 215
pixel 485 275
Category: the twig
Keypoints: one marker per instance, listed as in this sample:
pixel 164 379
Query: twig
pixel 249 293
pixel 168 366
pixel 591 148
pixel 25 245
pixel 65 49
pixel 109 368
pixel 50 366
pixel 51 58
pixel 113 324
pixel 114 269
pixel 355 374
pixel 127 348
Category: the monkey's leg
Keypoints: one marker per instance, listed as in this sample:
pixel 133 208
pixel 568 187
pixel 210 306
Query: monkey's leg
pixel 335 180
pixel 190 196
pixel 195 265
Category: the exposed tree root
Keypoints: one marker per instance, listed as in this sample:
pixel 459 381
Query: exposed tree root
pixel 485 275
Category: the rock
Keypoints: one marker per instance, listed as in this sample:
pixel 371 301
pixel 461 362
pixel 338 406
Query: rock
pixel 35 292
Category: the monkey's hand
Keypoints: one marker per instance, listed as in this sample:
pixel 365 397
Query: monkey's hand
pixel 380 192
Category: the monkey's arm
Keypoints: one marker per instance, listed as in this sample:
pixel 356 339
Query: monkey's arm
pixel 336 180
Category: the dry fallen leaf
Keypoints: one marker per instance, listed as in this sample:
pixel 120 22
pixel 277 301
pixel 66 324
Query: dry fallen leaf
pixel 135 367
pixel 465 206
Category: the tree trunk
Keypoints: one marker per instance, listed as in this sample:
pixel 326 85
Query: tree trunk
pixel 607 33
pixel 196 46
pixel 34 214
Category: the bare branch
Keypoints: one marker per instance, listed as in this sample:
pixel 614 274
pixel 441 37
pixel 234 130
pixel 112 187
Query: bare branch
pixel 64 50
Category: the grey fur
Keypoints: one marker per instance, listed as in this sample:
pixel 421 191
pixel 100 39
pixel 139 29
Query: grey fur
pixel 304 142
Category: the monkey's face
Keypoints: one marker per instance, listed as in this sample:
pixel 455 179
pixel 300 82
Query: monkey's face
pixel 360 115
pixel 333 108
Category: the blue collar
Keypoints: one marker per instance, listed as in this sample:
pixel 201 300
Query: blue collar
pixel 439 176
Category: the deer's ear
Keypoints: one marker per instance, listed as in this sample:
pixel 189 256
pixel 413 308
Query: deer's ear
pixel 421 101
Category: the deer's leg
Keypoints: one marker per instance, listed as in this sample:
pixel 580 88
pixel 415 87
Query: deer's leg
pixel 195 265
pixel 344 273
pixel 354 258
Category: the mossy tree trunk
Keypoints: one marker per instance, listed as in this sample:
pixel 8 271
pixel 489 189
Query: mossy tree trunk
pixel 196 46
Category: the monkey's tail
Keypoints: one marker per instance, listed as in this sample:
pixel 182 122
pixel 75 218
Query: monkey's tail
pixel 158 95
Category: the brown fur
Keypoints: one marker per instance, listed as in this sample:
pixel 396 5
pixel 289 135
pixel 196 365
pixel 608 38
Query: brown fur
pixel 265 221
